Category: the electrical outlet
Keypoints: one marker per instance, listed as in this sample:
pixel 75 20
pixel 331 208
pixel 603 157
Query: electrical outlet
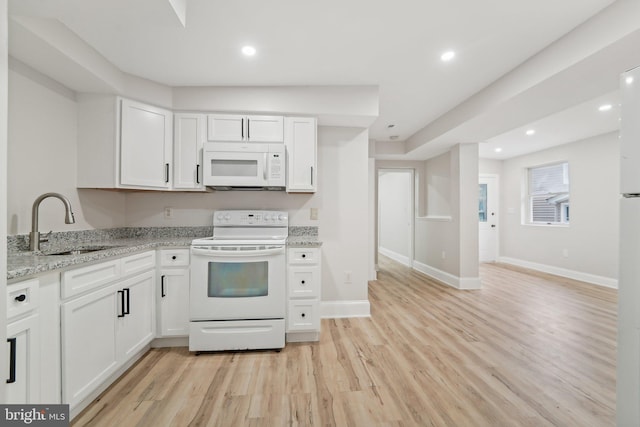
pixel 313 214
pixel 168 213
pixel 347 277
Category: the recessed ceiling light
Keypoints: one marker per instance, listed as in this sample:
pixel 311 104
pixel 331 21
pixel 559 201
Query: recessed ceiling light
pixel 394 137
pixel 605 107
pixel 248 50
pixel 629 80
pixel 447 56
pixel 530 132
pixel 497 150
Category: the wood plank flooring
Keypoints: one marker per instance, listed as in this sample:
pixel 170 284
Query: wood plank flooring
pixel 526 350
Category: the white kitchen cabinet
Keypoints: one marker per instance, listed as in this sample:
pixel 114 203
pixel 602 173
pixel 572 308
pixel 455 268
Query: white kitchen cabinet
pixel 301 143
pixel 146 141
pixel 189 136
pixel 303 294
pixel 105 323
pixel 234 127
pixel 173 294
pixel 89 354
pixel 123 144
pixel 135 328
pixel 23 346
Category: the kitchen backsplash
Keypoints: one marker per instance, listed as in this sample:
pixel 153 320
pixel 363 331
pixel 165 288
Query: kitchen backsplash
pixel 20 242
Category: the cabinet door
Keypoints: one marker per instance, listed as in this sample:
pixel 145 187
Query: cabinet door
pixel 88 343
pixel 145 145
pixel 187 151
pixel 135 329
pixel 23 345
pixel 225 127
pixel 300 140
pixel 174 302
pixel 265 129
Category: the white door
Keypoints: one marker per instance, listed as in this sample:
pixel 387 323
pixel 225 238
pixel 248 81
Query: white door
pixel 395 214
pixel 488 217
pixel 135 324
pixel 174 302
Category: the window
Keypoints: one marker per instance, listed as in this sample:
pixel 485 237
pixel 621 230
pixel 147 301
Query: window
pixel 549 194
pixel 482 205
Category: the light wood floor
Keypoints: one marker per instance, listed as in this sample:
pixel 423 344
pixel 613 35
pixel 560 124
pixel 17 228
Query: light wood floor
pixel 526 350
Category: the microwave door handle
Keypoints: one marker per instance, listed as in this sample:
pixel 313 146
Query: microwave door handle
pixel 258 252
pixel 264 171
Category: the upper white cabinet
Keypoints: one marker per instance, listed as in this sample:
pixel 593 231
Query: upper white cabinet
pixel 189 136
pixel 123 144
pixel 300 140
pixel 145 145
pixel 233 127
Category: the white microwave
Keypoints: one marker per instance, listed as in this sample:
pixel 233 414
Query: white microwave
pixel 244 166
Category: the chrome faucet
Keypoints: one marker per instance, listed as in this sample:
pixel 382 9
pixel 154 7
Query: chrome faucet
pixel 34 236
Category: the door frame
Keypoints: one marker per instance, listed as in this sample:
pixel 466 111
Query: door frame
pixel 412 212
pixel 496 178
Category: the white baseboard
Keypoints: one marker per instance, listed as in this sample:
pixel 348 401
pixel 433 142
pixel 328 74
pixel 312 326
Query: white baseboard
pixel 607 282
pixel 170 342
pixel 337 309
pixel 402 259
pixel 448 278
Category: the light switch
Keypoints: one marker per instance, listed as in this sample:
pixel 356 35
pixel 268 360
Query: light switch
pixel 313 214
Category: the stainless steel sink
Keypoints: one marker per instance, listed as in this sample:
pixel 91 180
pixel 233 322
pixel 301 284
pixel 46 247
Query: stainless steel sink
pixel 79 250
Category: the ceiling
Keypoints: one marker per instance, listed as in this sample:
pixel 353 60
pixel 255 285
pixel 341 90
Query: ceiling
pixel 395 46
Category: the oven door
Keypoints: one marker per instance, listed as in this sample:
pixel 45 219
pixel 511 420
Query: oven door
pixel 237 282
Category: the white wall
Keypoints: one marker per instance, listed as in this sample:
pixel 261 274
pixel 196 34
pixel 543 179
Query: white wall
pixel 447 238
pixel 395 214
pixel 42 154
pixel 490 166
pixel 591 239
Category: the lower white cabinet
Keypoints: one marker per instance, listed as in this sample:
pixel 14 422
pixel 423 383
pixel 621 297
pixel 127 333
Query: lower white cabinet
pixel 135 323
pixel 173 293
pixel 103 329
pixel 23 345
pixel 303 293
pixel 89 354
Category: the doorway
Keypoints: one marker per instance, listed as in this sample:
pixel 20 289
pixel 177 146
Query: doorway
pixel 488 217
pixel 396 214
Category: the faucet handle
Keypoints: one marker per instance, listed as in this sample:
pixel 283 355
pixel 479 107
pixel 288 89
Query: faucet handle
pixel 45 238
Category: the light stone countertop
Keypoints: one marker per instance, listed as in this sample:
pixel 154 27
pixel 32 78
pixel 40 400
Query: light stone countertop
pixel 22 265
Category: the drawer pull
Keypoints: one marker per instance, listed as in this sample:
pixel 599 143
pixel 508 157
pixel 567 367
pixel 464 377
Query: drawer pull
pixel 303 315
pixel 304 255
pixel 12 360
pixel 302 282
pixel 21 297
pixel 162 292
pixel 174 257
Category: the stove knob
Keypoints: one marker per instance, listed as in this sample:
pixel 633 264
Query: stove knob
pixel 227 217
pixel 280 217
pixel 267 217
pixel 220 216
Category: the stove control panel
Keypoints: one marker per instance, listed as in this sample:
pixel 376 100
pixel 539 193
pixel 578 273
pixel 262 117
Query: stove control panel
pixel 235 218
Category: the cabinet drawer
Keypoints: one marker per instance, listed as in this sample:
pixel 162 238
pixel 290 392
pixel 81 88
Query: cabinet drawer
pixel 303 316
pixel 304 282
pixel 138 262
pixel 304 255
pixel 75 282
pixel 22 297
pixel 174 257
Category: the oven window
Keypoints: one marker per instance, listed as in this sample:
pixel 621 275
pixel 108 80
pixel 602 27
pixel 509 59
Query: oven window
pixel 238 279
pixel 223 167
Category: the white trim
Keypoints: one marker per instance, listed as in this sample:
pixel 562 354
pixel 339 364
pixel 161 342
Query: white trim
pixel 162 342
pixel 337 309
pixel 402 259
pixel 607 282
pixel 442 218
pixel 465 283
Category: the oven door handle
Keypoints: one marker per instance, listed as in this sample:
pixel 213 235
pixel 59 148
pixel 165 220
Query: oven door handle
pixel 217 252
